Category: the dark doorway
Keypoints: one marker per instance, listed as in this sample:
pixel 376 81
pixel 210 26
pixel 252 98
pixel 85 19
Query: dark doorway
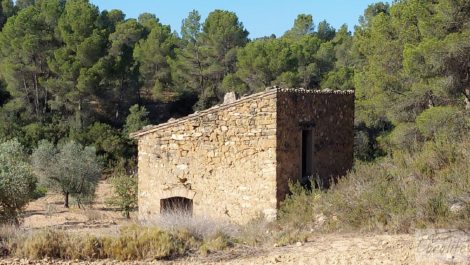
pixel 178 205
pixel 307 158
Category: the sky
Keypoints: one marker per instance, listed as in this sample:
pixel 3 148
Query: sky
pixel 260 17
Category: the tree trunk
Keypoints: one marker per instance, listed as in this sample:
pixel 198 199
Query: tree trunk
pixel 66 200
pixel 36 95
pixel 127 213
pixel 466 94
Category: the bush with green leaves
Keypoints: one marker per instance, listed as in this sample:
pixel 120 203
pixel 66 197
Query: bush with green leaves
pixel 405 136
pixel 125 193
pixel 442 119
pixel 17 182
pixel 70 168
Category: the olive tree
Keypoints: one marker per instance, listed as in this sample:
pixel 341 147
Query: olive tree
pixel 17 181
pixel 70 169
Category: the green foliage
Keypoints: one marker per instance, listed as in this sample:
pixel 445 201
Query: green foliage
pixel 70 169
pixel 6 11
pixel 303 25
pixel 136 119
pixel 17 182
pixel 405 136
pixel 107 141
pixel 448 120
pixel 125 194
pixel 153 55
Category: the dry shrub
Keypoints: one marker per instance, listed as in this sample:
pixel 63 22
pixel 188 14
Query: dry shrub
pixel 256 232
pixel 45 243
pixel 429 188
pixel 210 234
pixel 288 237
pixel 8 233
pixel 133 243
pixel 145 243
pixel 181 234
pixel 93 215
pixel 202 227
pixel 218 242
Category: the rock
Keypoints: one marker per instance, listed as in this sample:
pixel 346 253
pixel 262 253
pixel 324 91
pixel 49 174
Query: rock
pixel 230 98
pixel 456 208
pixel 299 244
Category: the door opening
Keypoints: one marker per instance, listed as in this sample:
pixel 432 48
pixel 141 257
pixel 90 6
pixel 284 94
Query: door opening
pixel 176 205
pixel 307 158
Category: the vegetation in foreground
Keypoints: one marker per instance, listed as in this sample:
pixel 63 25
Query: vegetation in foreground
pixel 131 243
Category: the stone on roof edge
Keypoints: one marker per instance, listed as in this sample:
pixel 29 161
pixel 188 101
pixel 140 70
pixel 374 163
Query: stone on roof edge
pixel 192 116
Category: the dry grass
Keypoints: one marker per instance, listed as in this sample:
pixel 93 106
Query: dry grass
pixel 8 233
pixel 398 194
pixel 202 227
pixel 132 243
pixel 178 235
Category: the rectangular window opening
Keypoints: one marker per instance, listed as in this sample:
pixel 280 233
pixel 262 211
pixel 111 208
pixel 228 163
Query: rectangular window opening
pixel 307 157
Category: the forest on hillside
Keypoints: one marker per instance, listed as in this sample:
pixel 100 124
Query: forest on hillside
pixel 69 71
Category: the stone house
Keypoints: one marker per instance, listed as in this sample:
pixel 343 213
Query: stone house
pixel 235 160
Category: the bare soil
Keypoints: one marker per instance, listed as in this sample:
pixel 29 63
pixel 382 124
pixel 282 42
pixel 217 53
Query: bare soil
pixel 49 212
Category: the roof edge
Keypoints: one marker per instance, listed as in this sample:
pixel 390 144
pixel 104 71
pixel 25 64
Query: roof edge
pixel 269 91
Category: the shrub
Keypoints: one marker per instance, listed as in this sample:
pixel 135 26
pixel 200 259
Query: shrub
pixel 256 231
pixel 17 182
pixel 125 194
pixel 428 188
pixel 448 120
pixel 218 242
pixel 8 233
pixel 405 136
pixel 144 243
pixel 133 243
pixel 201 227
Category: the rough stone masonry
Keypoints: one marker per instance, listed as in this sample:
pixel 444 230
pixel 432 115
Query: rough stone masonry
pixel 235 160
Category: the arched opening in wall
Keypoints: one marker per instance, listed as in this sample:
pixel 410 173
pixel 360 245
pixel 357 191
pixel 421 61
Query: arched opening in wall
pixel 176 205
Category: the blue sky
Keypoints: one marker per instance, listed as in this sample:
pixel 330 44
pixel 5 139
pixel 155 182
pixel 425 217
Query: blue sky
pixel 260 17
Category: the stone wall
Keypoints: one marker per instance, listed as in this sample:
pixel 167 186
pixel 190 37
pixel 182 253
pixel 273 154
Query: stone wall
pixel 224 159
pixel 235 160
pixel 330 116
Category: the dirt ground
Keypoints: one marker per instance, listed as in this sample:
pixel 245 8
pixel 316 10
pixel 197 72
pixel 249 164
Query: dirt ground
pixel 50 212
pixel 324 249
pixel 320 249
